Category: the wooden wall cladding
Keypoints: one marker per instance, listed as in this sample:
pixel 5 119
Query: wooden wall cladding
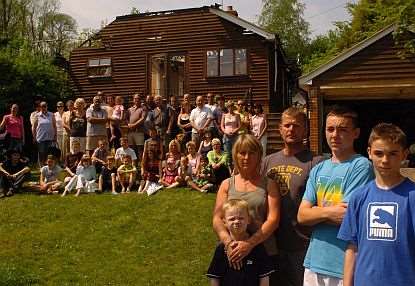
pixel 131 40
pixel 377 65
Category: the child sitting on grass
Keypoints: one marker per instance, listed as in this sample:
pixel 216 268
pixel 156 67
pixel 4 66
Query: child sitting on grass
pixel 126 174
pixel 85 178
pixel 150 171
pixel 108 177
pixel 49 182
pixel 99 156
pixel 204 177
pixel 170 173
pixel 184 172
pixel 256 266
pixel 174 151
pixel 379 222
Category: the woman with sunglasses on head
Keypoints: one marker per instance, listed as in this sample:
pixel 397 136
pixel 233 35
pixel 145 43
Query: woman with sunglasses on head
pixel 244 117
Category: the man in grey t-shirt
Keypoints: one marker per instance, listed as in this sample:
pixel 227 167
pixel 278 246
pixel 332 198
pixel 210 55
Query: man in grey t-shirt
pixel 97 118
pixel 290 168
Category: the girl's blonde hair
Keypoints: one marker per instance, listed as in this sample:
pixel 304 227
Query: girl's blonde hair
pixel 79 102
pixel 248 143
pixel 216 141
pixel 174 142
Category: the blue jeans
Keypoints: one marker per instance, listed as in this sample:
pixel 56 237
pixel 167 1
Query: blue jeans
pixel 228 142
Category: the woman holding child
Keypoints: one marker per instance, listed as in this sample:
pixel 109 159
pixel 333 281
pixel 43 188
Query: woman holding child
pixel 261 194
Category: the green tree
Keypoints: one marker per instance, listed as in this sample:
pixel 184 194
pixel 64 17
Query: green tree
pixel 368 17
pixel 285 18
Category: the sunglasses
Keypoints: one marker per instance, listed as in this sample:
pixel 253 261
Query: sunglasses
pixel 60 106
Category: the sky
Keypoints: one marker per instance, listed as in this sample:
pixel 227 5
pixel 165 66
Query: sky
pixel 91 13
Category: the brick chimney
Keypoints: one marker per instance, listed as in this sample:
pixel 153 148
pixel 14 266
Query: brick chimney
pixel 229 10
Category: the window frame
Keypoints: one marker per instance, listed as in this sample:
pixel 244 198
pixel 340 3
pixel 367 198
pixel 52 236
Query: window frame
pixel 218 50
pixel 89 67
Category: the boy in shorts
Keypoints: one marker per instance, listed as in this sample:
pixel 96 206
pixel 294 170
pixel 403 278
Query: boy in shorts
pixel 256 266
pixel 108 177
pixel 379 222
pixel 126 174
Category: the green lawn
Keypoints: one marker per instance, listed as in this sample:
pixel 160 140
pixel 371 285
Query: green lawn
pixel 165 239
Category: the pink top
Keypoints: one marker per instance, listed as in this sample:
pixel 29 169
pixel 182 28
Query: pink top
pixel 117 112
pixel 229 122
pixel 258 123
pixel 14 126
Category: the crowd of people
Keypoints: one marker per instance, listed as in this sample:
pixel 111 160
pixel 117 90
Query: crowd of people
pixel 290 218
pixel 153 144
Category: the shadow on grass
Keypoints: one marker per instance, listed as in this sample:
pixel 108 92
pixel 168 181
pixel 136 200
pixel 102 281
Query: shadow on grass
pixel 17 276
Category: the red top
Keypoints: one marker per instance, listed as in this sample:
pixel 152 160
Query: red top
pixel 14 126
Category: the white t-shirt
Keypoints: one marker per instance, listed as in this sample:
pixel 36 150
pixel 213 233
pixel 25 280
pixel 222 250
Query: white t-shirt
pixel 121 152
pixel 199 116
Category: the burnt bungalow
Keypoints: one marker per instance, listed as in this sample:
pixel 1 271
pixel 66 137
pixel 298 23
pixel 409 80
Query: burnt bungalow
pixel 194 51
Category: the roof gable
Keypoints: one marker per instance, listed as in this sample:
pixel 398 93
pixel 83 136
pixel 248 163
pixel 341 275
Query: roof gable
pixel 307 79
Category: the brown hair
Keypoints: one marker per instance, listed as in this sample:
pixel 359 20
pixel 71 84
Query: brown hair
pixel 295 112
pixel 388 132
pixel 346 112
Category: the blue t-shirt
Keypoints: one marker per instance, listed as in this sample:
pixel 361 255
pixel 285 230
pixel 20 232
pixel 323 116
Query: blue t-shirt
pixel 329 184
pixel 381 224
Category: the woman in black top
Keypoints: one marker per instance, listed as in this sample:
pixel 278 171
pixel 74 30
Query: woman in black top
pixel 183 121
pixel 77 124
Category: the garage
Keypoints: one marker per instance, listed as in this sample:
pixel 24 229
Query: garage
pixel 374 79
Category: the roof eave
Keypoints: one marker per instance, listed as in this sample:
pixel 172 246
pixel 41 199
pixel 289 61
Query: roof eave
pixel 243 23
pixel 307 79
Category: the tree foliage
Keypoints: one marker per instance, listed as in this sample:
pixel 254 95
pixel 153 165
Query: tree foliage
pixel 32 33
pixel 368 17
pixel 285 18
pixel 39 23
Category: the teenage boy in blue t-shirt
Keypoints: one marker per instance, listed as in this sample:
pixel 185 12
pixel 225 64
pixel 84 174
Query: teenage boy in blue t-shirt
pixel 379 223
pixel 328 190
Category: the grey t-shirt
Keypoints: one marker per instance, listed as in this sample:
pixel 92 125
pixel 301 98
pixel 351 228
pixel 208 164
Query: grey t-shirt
pixel 96 129
pixel 291 174
pixel 50 174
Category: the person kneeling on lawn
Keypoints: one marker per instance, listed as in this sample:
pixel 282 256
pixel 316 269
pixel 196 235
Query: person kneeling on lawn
pixel 85 178
pixel 49 182
pixel 255 268
pixel 13 173
pixel 184 172
pixel 126 174
pixel 204 177
pixel 108 176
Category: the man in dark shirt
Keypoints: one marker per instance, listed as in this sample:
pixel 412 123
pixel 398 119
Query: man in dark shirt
pixel 13 173
pixel 290 167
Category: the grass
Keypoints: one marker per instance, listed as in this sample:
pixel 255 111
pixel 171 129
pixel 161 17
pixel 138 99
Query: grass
pixel 165 239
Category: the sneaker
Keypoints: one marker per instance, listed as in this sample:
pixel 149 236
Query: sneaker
pixel 2 195
pixel 9 193
pixel 114 193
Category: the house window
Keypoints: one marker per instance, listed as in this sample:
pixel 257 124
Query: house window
pixel 226 62
pixel 240 62
pixel 99 67
pixel 212 63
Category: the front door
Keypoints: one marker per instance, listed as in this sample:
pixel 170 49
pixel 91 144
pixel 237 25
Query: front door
pixel 168 74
